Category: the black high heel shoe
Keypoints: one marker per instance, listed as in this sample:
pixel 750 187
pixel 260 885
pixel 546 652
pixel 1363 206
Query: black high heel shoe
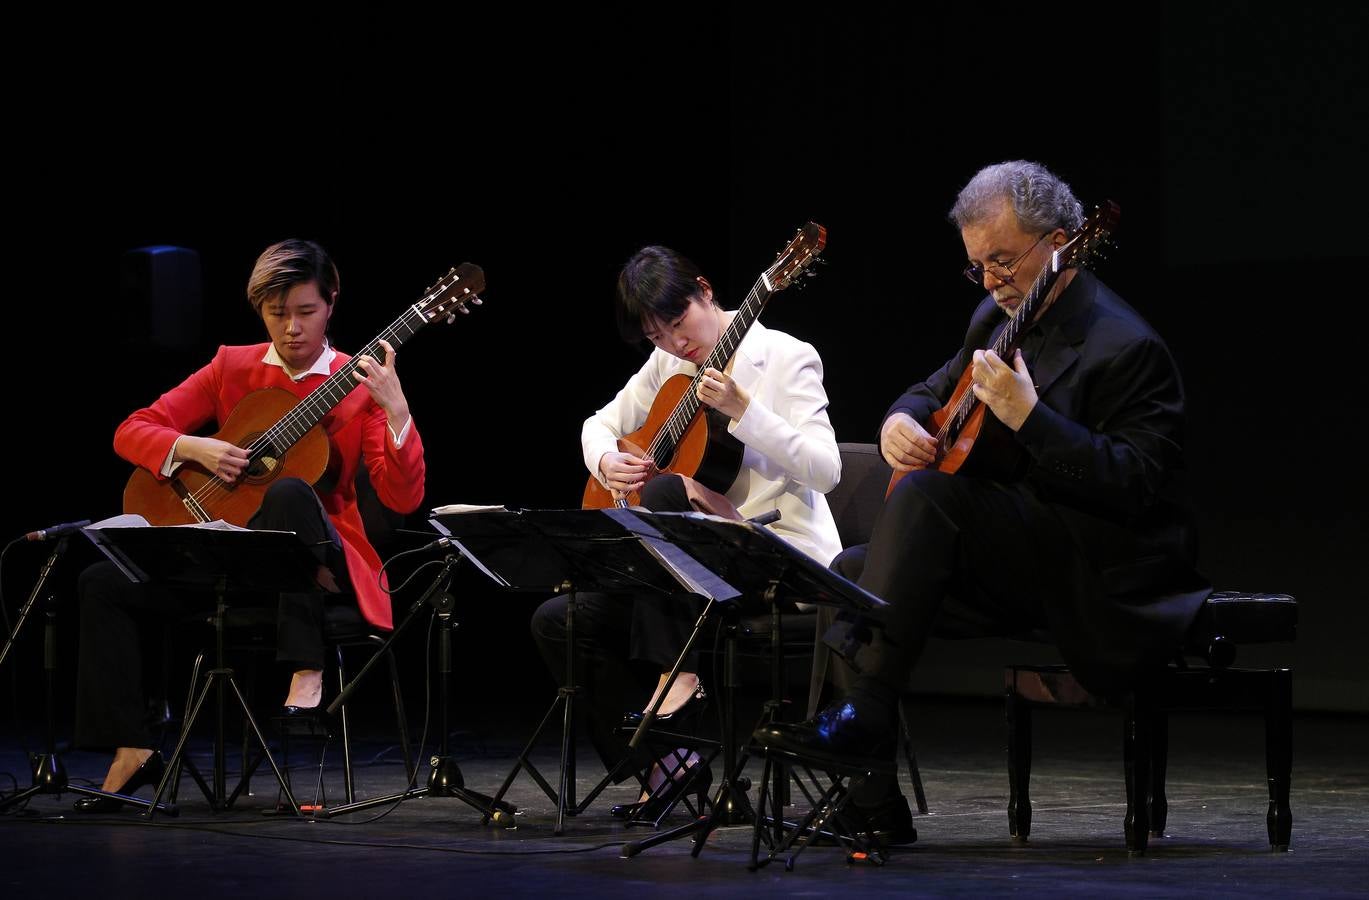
pixel 306 720
pixel 150 772
pixel 687 711
pixel 663 799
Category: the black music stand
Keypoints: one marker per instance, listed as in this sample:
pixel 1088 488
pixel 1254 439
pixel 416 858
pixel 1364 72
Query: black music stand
pixel 570 551
pixel 223 559
pixel 49 775
pixel 760 563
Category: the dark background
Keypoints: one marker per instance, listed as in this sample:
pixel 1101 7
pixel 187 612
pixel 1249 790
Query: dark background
pixel 549 148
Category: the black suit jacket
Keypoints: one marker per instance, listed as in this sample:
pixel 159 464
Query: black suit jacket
pixel 1101 446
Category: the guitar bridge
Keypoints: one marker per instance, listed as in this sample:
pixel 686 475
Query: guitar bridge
pixel 189 502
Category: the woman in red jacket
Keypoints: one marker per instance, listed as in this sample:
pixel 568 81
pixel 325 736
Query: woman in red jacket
pixel 293 287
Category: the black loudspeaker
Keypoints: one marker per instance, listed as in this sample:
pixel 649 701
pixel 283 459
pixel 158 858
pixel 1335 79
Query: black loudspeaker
pixel 162 293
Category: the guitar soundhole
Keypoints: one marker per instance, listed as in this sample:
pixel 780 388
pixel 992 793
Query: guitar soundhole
pixel 265 464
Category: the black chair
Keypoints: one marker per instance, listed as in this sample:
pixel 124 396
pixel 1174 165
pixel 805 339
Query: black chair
pixel 1228 620
pixel 345 630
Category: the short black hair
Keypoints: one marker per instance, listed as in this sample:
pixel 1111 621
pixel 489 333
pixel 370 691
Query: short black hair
pixel 656 284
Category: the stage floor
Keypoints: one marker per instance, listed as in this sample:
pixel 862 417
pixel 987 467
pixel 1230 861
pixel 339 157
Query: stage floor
pixel 1215 841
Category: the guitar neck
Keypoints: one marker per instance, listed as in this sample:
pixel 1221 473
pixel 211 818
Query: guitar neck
pixel 321 400
pixel 1004 344
pixel 664 443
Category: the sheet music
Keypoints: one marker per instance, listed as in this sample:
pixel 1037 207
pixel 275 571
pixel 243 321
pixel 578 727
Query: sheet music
pixel 133 520
pixel 457 508
pixel 692 574
pixel 113 553
pixel 442 529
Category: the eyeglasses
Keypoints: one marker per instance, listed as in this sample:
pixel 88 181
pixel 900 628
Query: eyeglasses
pixel 1004 272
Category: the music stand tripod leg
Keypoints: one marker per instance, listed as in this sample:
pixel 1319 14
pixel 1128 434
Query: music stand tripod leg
pixel 220 679
pixel 564 795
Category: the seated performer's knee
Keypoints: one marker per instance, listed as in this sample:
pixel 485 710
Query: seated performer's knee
pixel 549 620
pixel 665 493
pixel 920 490
pixel 288 492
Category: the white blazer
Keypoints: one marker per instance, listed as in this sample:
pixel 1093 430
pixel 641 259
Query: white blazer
pixel 790 457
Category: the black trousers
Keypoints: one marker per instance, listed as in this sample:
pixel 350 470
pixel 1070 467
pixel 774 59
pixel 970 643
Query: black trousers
pixel 623 642
pixel 111 707
pixel 960 557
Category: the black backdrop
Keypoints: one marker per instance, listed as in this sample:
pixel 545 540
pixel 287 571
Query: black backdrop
pixel 547 150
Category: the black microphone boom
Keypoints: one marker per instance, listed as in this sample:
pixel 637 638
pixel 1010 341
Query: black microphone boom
pixel 56 531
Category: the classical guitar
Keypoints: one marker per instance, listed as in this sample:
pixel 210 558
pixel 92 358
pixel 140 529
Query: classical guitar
pixel 280 431
pixel 968 440
pixel 678 427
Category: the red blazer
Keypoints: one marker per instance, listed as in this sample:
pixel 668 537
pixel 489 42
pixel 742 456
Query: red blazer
pixel 356 429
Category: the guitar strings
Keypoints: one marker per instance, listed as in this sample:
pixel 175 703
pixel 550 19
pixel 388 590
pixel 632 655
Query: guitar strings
pixel 965 405
pixel 311 405
pixel 679 419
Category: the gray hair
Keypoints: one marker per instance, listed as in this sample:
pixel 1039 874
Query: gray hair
pixel 1041 201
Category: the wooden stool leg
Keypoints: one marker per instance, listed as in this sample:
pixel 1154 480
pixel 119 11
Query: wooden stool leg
pixel 1019 766
pixel 1159 763
pixel 1136 758
pixel 1278 756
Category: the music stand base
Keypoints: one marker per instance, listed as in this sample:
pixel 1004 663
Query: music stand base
pixel 221 678
pixel 50 777
pixel 445 780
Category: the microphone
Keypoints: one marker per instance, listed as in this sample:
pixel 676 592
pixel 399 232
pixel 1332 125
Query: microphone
pixel 765 518
pixel 56 531
pixel 441 542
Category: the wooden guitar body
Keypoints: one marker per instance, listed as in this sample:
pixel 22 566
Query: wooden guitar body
pixel 170 502
pixel 704 450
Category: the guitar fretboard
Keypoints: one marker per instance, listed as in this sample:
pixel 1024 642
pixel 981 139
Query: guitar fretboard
pixel 663 446
pixel 335 388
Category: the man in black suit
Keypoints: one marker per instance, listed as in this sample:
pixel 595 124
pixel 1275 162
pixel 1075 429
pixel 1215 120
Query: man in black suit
pixel 1075 538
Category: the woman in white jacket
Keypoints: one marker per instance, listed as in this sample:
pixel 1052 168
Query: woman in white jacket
pixel 771 397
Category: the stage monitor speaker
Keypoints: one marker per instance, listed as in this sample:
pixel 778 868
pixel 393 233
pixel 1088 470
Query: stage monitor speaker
pixel 162 292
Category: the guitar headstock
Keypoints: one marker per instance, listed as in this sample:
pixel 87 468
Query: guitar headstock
pixel 1094 234
pixel 800 253
pixel 454 292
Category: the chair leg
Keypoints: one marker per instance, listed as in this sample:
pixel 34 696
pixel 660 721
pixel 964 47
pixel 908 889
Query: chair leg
pixel 1159 763
pixel 1278 756
pixel 914 773
pixel 1019 766
pixel 1136 759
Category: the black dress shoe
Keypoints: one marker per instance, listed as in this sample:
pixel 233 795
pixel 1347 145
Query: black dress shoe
pixel 839 733
pixel 666 796
pixel 888 824
pixel 687 711
pixel 150 772
pixel 890 821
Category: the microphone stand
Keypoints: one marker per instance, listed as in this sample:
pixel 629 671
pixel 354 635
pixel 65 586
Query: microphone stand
pixel 49 775
pixel 445 779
